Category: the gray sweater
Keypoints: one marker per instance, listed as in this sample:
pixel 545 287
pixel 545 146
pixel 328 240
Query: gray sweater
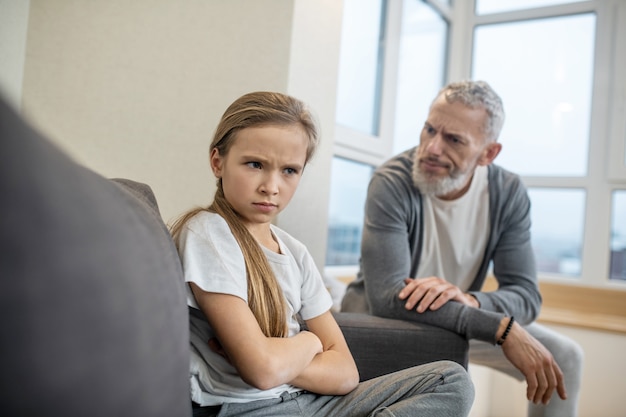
pixel 392 244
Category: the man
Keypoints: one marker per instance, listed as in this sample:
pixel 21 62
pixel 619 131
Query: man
pixel 436 217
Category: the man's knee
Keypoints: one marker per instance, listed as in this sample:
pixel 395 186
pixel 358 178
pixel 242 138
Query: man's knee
pixel 574 354
pixel 569 355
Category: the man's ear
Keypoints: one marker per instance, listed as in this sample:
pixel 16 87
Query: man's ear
pixel 489 153
pixel 216 162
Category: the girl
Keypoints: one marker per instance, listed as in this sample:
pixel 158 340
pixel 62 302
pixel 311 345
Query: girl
pixel 250 283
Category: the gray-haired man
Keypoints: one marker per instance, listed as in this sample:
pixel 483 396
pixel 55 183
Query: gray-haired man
pixel 436 217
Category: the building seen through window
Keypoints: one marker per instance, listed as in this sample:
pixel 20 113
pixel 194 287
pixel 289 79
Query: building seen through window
pixel 345 222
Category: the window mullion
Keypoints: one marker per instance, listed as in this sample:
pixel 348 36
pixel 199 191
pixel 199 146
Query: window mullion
pixel 460 44
pixel 596 240
pixel 390 76
pixel 617 145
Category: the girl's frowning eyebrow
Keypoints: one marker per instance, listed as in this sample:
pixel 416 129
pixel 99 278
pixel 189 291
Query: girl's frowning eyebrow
pixel 248 158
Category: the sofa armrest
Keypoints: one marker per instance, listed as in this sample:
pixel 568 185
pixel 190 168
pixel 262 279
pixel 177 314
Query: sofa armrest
pixel 92 293
pixel 380 345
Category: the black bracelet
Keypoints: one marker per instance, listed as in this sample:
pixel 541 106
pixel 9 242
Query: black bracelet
pixel 506 332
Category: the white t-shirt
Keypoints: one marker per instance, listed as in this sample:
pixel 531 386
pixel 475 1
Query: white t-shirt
pixel 459 229
pixel 212 259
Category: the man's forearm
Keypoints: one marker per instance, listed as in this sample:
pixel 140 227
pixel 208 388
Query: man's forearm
pixel 469 322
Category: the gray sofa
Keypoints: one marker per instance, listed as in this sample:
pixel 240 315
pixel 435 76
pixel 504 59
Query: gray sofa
pixel 92 304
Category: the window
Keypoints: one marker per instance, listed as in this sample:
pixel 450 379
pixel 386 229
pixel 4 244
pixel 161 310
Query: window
pixel 551 135
pixel 392 63
pixel 546 88
pixel 548 116
pixel 360 71
pixel 421 70
pixel 558 66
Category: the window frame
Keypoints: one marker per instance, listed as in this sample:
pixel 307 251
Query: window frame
pixel 363 147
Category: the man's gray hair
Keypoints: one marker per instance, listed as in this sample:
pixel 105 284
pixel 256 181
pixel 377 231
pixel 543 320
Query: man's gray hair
pixel 476 94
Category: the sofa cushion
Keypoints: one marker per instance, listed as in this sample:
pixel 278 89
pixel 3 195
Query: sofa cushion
pixel 381 345
pixel 92 306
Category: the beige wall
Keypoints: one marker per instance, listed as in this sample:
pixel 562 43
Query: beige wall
pixel 135 89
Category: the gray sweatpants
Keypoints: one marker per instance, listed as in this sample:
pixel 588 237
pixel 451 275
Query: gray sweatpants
pixel 437 389
pixel 568 355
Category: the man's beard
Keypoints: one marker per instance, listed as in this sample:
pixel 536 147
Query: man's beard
pixel 434 186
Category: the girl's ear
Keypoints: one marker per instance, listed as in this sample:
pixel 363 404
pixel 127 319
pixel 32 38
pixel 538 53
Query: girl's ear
pixel 216 162
pixel 489 153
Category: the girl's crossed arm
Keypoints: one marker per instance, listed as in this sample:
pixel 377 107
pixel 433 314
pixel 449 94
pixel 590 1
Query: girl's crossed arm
pixel 332 372
pixel 263 362
pixel 317 360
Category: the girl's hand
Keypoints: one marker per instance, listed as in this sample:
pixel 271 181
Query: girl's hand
pixel 314 340
pixel 216 347
pixel 332 371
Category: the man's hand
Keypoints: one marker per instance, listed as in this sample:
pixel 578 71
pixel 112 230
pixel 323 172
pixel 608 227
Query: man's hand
pixel 527 354
pixel 431 293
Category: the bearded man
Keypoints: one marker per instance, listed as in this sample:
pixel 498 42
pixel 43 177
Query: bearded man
pixel 437 217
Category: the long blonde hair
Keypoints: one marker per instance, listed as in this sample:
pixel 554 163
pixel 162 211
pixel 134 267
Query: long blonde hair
pixel 265 297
